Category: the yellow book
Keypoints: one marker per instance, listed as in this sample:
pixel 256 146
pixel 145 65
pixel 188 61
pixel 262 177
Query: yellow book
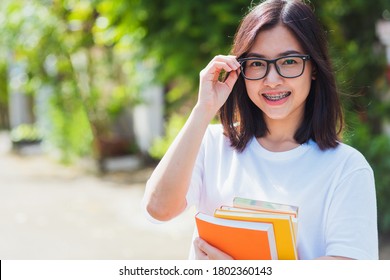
pixel 283 229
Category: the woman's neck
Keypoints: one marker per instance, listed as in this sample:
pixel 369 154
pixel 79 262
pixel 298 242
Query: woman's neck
pixel 280 136
pixel 277 145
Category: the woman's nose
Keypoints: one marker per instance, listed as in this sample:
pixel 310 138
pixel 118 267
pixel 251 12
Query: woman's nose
pixel 273 78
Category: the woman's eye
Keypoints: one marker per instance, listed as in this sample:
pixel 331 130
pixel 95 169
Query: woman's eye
pixel 289 62
pixel 256 64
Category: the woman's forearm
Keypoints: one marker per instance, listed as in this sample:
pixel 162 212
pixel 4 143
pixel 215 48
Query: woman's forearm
pixel 167 187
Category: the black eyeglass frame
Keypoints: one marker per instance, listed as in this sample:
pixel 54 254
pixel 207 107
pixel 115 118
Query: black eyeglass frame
pixel 305 57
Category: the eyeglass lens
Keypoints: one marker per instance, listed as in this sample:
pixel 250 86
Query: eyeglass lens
pixel 288 67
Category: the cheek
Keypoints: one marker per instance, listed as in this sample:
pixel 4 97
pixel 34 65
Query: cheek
pixel 306 85
pixel 254 97
pixel 252 88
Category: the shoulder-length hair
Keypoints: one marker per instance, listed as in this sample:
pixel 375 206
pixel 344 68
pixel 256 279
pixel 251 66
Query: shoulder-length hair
pixel 323 118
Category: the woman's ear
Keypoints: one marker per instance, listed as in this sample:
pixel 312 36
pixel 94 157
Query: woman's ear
pixel 314 73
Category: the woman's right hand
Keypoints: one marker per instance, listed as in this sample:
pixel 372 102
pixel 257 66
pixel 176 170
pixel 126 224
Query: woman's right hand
pixel 212 92
pixel 166 190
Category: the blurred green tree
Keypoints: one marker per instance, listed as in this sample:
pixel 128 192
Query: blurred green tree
pixel 70 55
pixel 32 34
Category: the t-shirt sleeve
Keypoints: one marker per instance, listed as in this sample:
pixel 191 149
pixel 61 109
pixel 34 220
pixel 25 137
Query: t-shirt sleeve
pixel 351 226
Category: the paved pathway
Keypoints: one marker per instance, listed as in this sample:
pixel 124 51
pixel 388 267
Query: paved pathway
pixel 49 211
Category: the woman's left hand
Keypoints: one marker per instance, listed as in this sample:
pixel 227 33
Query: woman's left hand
pixel 205 251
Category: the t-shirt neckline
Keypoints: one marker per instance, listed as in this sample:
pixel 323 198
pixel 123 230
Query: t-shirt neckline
pixel 256 147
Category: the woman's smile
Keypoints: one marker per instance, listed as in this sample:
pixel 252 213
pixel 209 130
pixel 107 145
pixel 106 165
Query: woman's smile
pixel 276 98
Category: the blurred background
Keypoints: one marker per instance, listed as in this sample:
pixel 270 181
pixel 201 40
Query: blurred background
pixel 92 92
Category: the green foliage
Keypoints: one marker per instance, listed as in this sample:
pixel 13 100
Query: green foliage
pixel 3 85
pixel 360 66
pixel 35 36
pixel 3 95
pixel 180 37
pixel 25 133
pixel 173 127
pixel 67 49
pixel 184 35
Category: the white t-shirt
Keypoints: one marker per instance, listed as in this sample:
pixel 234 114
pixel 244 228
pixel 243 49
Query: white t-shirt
pixel 334 190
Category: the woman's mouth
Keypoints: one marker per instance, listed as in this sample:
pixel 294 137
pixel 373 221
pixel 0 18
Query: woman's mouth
pixel 274 97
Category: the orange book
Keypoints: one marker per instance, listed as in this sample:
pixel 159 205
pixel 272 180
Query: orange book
pixel 242 240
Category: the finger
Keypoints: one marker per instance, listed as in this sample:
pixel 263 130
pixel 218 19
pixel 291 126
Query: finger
pixel 231 79
pixel 219 72
pixel 223 57
pixel 230 60
pixel 212 71
pixel 200 255
pixel 206 248
pixel 211 252
pixel 219 64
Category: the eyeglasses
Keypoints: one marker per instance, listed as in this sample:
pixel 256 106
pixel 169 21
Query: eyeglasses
pixel 253 68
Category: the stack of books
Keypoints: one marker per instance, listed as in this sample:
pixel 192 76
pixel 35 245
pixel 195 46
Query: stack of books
pixel 252 230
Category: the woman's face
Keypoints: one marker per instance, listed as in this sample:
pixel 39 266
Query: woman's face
pixel 279 98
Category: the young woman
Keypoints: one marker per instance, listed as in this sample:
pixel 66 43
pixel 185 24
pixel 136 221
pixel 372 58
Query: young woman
pixel 278 140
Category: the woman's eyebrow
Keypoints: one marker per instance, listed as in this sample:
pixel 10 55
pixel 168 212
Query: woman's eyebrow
pixel 286 53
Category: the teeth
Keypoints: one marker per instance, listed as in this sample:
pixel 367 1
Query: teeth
pixel 276 97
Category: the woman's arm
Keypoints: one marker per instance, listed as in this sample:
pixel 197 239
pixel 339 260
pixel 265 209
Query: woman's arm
pixel 168 185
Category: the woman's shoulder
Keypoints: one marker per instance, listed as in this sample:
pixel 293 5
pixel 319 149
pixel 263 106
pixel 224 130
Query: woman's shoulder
pixel 215 128
pixel 215 137
pixel 350 151
pixel 345 153
pixel 215 131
